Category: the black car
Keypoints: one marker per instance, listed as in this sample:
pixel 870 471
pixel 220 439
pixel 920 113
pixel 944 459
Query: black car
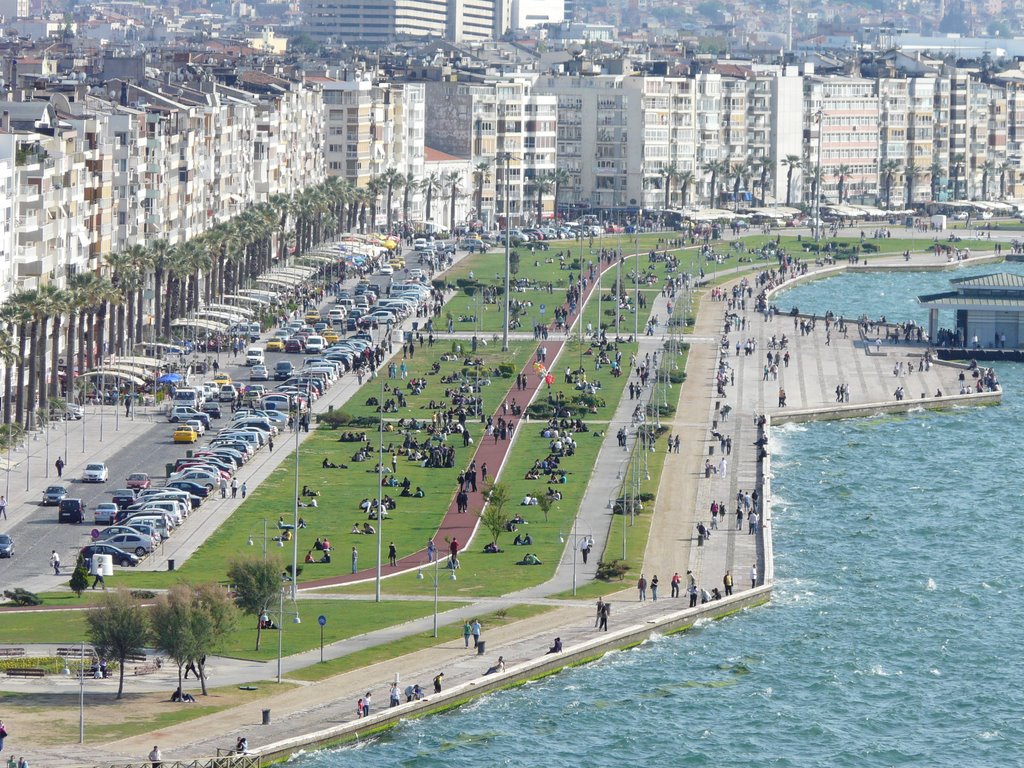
pixel 123 497
pixel 119 555
pixel 6 545
pixel 53 495
pixel 193 488
pixel 211 409
pixel 71 511
pixel 283 370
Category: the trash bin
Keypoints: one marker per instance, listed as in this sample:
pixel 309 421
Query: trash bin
pixel 711 450
pixel 168 469
pixel 170 565
pixel 480 647
pixel 700 539
pixel 266 717
pixel 188 454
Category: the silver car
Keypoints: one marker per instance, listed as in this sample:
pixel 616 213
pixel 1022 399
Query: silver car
pixel 132 542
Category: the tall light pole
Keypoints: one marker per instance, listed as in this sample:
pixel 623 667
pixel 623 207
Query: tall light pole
pixel 437 582
pixel 507 156
pixel 380 490
pixel 819 119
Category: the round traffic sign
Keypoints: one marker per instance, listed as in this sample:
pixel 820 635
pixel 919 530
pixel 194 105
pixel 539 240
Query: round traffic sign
pixel 322 621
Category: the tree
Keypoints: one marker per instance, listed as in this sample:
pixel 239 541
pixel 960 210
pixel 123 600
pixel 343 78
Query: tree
pixel 481 175
pixel 392 180
pixel 764 167
pixel 493 514
pixel 545 503
pixel 842 171
pixel 559 178
pixel 988 169
pixel 79 577
pixel 430 185
pixel 935 172
pixel 888 169
pixel 912 172
pixel 452 181
pixel 257 582
pixel 1004 168
pixel 213 616
pixel 118 629
pixel 542 185
pixel 685 179
pixel 716 168
pixel 792 164
pixel 171 618
pixel 669 174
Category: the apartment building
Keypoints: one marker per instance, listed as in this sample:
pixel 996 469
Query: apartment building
pixel 378 22
pixel 509 130
pixel 8 198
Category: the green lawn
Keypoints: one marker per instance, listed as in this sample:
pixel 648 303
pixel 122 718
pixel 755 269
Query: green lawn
pixel 345 618
pixel 412 643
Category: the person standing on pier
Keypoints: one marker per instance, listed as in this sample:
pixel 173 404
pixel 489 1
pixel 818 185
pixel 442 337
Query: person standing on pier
pixel 676 579
pixel 753 576
pixel 727 583
pixel 641 586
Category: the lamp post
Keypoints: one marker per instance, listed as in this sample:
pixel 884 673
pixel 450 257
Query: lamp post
pixel 264 540
pixel 437 582
pixel 575 548
pixel 380 491
pixel 507 156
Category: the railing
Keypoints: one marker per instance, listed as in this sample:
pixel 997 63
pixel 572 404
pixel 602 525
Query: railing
pixel 224 759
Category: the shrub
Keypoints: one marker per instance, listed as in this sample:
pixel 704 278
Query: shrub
pixel 20 596
pixel 506 370
pixel 616 569
pixel 334 419
pixel 869 248
pixel 142 594
pixel 677 377
pixel 540 410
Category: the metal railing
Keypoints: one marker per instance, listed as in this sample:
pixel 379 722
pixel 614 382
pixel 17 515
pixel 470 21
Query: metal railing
pixel 224 759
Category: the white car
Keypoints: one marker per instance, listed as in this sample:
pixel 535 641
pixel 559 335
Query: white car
pixel 387 269
pixel 95 473
pixel 197 425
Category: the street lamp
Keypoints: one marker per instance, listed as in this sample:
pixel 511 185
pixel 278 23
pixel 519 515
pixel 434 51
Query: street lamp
pixel 380 492
pixel 507 157
pixel 251 543
pixel 280 627
pixel 437 581
pixel 575 547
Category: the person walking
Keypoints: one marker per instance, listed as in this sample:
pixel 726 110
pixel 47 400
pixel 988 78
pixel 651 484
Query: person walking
pixel 355 559
pixel 245 489
pixel 366 704
pixel 692 591
pixel 223 488
pixel 654 588
pixel 234 487
pixel 55 562
pixel 467 632
pixel 641 586
pixel 392 554
pixel 585 547
pixel 600 607
pixel 431 551
pixel 3 507
pixel 476 632
pixel 605 612
pixel 394 695
pixel 438 678
pixel 59 464
pixel 727 583
pixel 676 579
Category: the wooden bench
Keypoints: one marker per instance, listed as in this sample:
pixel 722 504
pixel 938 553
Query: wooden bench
pixel 9 652
pixel 145 669
pixel 76 652
pixel 25 672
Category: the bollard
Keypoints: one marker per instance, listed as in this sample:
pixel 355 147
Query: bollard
pixel 711 450
pixel 266 717
pixel 700 539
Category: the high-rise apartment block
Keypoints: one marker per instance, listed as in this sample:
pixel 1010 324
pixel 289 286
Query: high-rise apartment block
pixel 378 22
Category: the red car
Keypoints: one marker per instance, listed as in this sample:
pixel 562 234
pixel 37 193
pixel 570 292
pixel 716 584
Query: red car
pixel 293 345
pixel 138 481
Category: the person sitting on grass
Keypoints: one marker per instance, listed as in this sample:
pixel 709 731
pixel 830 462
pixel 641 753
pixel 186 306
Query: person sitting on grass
pixel 492 549
pixel 307 491
pixel 419 493
pixel 187 698
pixel 530 559
pixel 309 557
pixel 532 474
pixel 282 525
pixel 302 523
pixel 266 622
pixel 528 501
pixel 327 556
pixel 356 529
pixel 369 529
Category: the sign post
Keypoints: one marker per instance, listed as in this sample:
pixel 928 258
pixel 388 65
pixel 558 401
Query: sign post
pixel 322 621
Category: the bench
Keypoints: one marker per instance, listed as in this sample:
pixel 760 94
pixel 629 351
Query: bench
pixel 152 666
pixel 8 652
pixel 75 652
pixel 25 672
pixel 136 658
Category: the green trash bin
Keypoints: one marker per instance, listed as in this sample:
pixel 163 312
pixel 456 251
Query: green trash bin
pixel 168 469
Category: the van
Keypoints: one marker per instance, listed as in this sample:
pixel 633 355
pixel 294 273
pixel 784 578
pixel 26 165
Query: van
pixel 254 356
pixel 71 511
pixel 254 331
pixel 188 397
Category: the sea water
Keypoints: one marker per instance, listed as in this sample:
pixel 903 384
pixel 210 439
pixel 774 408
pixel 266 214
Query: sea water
pixel 892 639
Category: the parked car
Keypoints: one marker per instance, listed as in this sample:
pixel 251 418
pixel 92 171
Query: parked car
pixel 119 555
pixel 132 542
pixel 185 434
pixel 71 511
pixel 95 472
pixel 105 513
pixel 53 495
pixel 123 497
pixel 212 409
pixel 6 545
pixel 139 481
pixel 70 412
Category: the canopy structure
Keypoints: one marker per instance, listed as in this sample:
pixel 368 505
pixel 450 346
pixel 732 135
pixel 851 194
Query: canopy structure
pixel 288 282
pixel 989 307
pixel 173 349
pixel 231 309
pixel 226 317
pixel 711 214
pixel 200 324
pixel 114 375
pixel 263 297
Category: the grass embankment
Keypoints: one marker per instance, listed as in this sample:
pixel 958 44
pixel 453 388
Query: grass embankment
pixel 345 619
pixel 341 490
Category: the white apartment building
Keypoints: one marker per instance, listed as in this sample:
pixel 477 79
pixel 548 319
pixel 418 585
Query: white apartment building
pixel 8 199
pixel 378 22
pixel 505 125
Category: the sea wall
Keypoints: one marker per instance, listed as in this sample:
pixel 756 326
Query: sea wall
pixel 866 410
pixel 602 643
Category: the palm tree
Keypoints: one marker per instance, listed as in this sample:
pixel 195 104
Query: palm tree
pixel 541 185
pixel 559 178
pixel 716 168
pixel 912 172
pixel 1004 168
pixel 10 317
pixel 888 169
pixel 956 168
pixel 373 190
pixel 22 312
pixel 61 304
pixel 430 185
pixel 451 181
pixel 408 184
pixel 686 179
pixel 843 171
pixel 481 175
pixel 392 180
pixel 669 173
pixel 792 163
pixel 764 166
pixel 988 168
pixel 160 252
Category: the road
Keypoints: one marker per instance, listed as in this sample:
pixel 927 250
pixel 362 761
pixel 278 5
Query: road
pixel 141 443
